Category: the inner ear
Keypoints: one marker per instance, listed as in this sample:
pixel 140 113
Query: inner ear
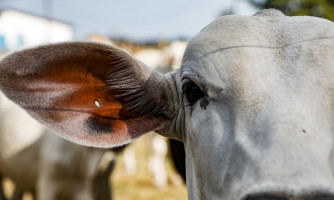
pixel 90 93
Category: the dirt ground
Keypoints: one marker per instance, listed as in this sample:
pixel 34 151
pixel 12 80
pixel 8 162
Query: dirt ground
pixel 140 185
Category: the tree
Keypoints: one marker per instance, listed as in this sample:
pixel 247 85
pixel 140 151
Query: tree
pixel 319 8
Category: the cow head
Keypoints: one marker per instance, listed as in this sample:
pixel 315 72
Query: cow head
pixel 253 103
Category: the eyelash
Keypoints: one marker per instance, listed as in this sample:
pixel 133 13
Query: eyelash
pixel 192 92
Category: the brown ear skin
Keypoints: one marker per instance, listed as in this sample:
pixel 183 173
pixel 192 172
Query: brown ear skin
pixel 90 93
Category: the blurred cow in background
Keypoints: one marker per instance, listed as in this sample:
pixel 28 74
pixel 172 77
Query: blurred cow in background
pixel 163 57
pixel 42 163
pixel 46 165
pixel 163 60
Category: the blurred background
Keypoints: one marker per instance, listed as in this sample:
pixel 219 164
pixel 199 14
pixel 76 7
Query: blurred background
pixel 146 20
pixel 155 32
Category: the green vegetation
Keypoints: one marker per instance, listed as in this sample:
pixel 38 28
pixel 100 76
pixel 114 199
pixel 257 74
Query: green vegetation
pixel 319 8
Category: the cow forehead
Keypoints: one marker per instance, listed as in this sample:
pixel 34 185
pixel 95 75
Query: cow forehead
pixel 268 28
pixel 233 48
pixel 278 71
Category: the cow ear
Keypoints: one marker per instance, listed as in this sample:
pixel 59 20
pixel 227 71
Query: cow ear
pixel 89 93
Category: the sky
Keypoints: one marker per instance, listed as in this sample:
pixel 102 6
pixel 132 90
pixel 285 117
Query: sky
pixel 132 19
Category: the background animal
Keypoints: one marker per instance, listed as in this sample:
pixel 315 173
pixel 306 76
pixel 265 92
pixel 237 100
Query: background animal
pixel 46 165
pixel 164 60
pixel 253 103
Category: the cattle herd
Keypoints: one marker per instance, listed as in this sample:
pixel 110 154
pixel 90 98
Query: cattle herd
pixel 41 163
pixel 252 102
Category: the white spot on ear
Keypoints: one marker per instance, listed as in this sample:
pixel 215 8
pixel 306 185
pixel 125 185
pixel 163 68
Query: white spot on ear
pixel 97 103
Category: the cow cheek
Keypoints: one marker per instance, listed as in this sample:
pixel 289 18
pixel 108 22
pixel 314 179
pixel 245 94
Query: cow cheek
pixel 210 141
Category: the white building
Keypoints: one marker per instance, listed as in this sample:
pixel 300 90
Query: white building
pixel 19 29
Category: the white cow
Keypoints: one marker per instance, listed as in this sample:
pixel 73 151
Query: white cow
pixel 45 164
pixel 253 103
pixel 163 60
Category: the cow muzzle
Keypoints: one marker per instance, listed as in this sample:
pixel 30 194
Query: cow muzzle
pixel 280 196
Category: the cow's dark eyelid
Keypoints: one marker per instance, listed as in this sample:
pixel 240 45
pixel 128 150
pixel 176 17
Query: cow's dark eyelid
pixel 192 92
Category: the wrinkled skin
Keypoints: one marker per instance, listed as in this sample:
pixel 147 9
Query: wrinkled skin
pixel 253 103
pixel 268 125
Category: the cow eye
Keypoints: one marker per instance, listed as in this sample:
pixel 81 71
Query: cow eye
pixel 192 92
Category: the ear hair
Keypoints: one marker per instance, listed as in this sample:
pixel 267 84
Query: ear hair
pixel 90 93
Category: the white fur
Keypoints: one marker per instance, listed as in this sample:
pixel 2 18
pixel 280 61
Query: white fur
pixel 129 160
pixel 265 122
pixel 16 123
pixel 37 160
pixel 157 158
pixel 268 127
